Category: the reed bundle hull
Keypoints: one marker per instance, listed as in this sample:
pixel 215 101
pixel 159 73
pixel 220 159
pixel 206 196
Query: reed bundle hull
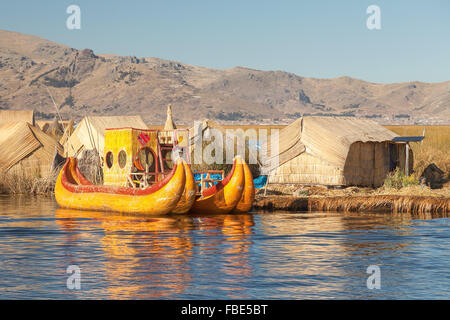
pixel 223 197
pixel 74 192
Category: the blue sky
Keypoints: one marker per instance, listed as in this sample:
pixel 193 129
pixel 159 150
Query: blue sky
pixel 322 39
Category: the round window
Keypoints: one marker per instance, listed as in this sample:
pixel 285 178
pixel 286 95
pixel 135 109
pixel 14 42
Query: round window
pixel 167 159
pixel 145 160
pixel 122 158
pixel 109 159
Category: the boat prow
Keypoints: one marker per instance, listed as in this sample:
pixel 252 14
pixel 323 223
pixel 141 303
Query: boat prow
pixel 188 197
pixel 73 191
pixel 223 197
pixel 248 194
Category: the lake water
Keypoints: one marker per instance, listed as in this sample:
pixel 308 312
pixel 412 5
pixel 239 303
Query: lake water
pixel 279 255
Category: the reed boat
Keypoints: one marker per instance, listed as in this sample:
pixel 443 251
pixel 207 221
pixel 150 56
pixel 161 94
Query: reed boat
pixel 248 194
pixel 234 193
pixel 73 191
pixel 189 193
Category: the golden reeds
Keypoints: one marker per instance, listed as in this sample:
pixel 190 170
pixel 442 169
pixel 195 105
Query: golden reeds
pixel 374 203
pixel 435 148
pixel 381 203
pixel 19 183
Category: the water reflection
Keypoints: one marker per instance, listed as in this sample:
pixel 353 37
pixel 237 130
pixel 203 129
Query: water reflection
pixel 149 256
pixel 279 255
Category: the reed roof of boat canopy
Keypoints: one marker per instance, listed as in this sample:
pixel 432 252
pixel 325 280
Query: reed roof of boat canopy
pixel 89 134
pixel 7 116
pixel 170 124
pixel 27 145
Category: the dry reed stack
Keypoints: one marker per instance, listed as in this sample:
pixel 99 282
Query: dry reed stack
pixel 7 116
pixel 374 203
pixel 29 158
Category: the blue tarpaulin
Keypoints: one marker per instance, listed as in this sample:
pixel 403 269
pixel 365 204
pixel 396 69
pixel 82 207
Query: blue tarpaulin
pixel 198 177
pixel 260 181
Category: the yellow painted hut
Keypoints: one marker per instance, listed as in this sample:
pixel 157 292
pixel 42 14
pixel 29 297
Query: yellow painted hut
pixel 130 151
pixel 136 157
pixel 334 151
pixel 26 149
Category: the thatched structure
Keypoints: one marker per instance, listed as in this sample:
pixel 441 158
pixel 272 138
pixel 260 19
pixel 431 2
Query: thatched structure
pixel 54 128
pixel 205 126
pixel 166 133
pixel 170 124
pixel 68 131
pixel 90 133
pixel 7 116
pixel 334 151
pixel 25 149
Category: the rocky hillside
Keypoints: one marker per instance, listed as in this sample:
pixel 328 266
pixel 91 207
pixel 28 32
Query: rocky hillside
pixel 86 83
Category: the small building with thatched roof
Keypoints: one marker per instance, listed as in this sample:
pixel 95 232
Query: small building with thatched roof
pixel 89 134
pixel 7 116
pixel 26 149
pixel 334 151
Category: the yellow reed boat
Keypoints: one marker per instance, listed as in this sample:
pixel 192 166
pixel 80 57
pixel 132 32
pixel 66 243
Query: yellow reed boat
pixel 234 193
pixel 189 192
pixel 73 191
pixel 248 194
pixel 141 176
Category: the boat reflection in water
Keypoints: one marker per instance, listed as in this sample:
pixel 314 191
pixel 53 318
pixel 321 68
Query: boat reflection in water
pixel 151 257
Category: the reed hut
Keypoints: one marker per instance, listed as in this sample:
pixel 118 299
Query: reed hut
pixel 334 151
pixel 7 116
pixel 68 131
pixel 26 149
pixel 90 133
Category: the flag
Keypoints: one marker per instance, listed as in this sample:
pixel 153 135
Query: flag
pixel 143 138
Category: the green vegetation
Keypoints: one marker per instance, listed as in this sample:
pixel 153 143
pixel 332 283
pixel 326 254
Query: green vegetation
pixel 397 180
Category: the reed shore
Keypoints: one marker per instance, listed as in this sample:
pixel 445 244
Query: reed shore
pixel 367 203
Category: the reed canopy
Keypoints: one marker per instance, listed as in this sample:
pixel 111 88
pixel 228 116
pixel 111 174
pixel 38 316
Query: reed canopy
pixel 89 134
pixel 7 116
pixel 26 149
pixel 334 151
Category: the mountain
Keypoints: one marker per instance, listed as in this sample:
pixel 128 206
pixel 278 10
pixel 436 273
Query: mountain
pixel 86 83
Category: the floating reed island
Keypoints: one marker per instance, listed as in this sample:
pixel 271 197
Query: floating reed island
pixel 314 164
pixel 372 203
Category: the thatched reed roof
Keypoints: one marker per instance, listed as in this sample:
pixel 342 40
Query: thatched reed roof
pixel 7 116
pixel 170 125
pixel 90 132
pixel 69 128
pixel 21 140
pixel 326 138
